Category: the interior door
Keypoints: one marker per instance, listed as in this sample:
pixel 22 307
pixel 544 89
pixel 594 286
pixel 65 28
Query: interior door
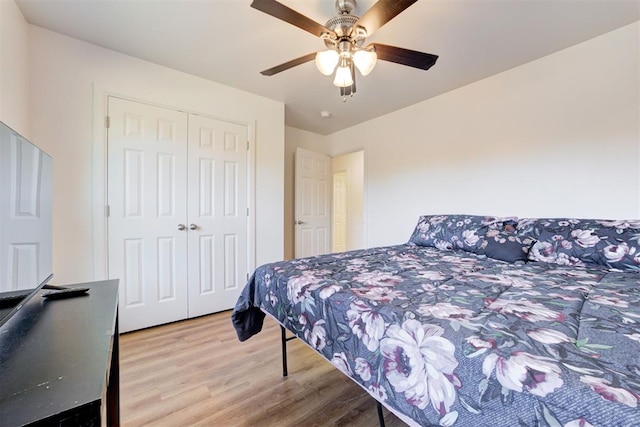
pixel 147 198
pixel 217 238
pixel 312 203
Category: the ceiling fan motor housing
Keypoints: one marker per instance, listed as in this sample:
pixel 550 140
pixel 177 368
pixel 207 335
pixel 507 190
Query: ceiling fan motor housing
pixel 342 24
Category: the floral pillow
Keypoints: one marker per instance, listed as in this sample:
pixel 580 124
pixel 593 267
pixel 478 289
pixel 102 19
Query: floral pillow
pixel 505 245
pixel 448 232
pixel 611 243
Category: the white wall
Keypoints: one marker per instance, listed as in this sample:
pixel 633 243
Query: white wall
pixel 558 136
pixel 295 138
pixel 14 66
pixel 65 73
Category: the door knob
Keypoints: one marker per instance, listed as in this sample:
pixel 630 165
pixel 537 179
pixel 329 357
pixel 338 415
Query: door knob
pixel 298 222
pixel 181 227
pixel 193 227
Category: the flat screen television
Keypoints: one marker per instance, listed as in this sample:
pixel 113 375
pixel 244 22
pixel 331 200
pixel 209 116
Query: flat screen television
pixel 26 212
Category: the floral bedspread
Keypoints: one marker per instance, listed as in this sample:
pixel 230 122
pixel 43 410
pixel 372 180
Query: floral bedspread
pixel 456 339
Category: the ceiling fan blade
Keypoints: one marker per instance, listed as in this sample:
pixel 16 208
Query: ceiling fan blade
pixel 381 13
pixel 290 64
pixel 411 58
pixel 280 11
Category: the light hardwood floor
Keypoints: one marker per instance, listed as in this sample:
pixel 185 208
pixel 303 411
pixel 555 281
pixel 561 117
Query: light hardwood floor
pixel 197 373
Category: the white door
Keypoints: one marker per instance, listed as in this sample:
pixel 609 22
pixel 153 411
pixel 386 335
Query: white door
pixel 147 197
pixel 177 195
pixel 217 206
pixel 312 203
pixel 26 204
pixel 339 211
pixel 348 201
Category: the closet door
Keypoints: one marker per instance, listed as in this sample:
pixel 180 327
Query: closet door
pixel 147 197
pixel 217 206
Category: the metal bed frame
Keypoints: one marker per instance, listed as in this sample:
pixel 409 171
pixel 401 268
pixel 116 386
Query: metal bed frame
pixel 284 339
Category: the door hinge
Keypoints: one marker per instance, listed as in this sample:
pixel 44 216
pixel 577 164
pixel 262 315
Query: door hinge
pixel 247 145
pixel 247 276
pixel 107 211
pixel 107 122
pixel 247 211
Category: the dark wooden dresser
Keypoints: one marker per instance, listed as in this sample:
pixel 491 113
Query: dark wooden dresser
pixel 59 361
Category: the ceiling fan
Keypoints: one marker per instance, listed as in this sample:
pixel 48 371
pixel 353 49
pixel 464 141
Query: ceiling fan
pixel 344 36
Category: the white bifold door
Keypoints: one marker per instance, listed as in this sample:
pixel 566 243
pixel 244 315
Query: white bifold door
pixel 177 206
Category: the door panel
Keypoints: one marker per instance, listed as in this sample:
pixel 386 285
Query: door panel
pixel 312 204
pixel 217 178
pixel 147 163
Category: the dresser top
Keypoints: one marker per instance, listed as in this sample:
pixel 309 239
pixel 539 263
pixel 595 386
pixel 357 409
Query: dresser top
pixel 54 354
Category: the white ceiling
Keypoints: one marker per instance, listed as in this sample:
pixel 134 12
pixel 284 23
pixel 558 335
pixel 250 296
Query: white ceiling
pixel 228 42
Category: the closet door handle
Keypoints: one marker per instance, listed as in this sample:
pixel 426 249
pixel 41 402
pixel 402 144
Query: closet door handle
pixel 193 227
pixel 182 227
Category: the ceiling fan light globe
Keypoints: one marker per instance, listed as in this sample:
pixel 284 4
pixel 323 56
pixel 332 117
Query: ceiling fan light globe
pixel 365 60
pixel 343 77
pixel 326 61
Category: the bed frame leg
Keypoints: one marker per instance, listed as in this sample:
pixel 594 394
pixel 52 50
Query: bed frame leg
pixel 285 372
pixel 283 337
pixel 380 415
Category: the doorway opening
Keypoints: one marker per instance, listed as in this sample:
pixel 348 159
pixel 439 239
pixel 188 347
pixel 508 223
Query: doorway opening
pixel 328 199
pixel 347 211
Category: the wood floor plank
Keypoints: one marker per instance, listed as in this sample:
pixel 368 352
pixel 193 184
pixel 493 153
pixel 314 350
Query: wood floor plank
pixel 197 373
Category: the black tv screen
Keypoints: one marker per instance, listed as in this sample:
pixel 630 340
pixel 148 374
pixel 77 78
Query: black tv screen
pixel 26 212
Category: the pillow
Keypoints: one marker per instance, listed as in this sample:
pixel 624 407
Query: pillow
pixel 555 241
pixel 618 245
pixel 557 248
pixel 611 243
pixel 448 232
pixel 505 245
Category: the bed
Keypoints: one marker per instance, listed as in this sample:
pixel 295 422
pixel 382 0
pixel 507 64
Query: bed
pixel 475 321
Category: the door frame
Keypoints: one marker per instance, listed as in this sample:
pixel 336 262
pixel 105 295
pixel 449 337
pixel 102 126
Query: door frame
pixel 99 229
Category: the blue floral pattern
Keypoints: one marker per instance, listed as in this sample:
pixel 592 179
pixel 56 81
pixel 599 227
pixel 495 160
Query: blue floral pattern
pixel 505 245
pixel 458 339
pixel 569 241
pixel 492 236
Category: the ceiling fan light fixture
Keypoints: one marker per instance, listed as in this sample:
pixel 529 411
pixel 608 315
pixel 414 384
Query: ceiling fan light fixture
pixel 344 36
pixel 326 61
pixel 343 76
pixel 365 60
